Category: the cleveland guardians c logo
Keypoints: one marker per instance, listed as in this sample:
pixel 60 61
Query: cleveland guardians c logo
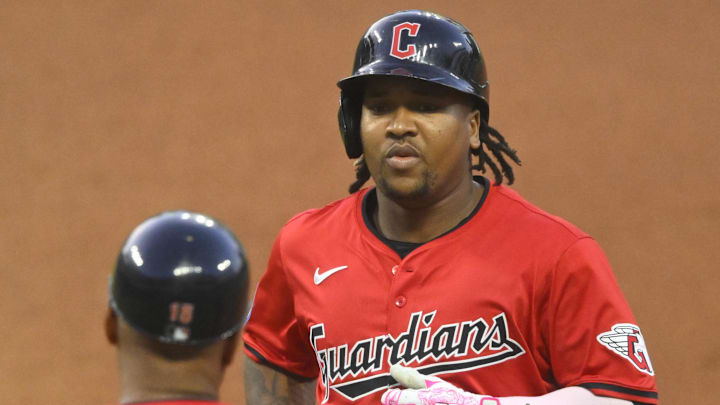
pixel 625 340
pixel 412 30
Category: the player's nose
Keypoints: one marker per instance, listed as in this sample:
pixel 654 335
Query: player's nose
pixel 402 123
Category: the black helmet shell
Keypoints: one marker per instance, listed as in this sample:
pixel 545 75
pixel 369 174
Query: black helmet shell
pixel 181 277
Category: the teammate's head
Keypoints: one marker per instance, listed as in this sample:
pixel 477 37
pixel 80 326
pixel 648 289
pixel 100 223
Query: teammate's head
pixel 182 278
pixel 177 299
pixel 423 47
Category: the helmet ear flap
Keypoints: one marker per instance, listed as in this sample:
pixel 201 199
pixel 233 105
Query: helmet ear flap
pixel 349 123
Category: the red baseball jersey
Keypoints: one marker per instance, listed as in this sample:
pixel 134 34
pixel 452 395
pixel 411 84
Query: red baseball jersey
pixel 513 302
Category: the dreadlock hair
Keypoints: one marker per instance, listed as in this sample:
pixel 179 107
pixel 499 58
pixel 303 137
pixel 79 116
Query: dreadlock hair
pixel 490 139
pixel 499 148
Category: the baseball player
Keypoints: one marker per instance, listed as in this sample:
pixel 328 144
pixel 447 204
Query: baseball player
pixel 177 299
pixel 469 292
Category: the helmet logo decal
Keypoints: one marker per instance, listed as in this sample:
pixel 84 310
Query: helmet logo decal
pixel 181 312
pixel 412 31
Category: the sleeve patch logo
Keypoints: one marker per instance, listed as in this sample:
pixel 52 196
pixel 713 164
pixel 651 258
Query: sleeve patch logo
pixel 625 340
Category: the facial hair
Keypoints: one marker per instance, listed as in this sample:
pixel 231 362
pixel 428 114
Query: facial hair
pixel 420 191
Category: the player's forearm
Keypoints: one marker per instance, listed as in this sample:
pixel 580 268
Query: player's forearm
pixel 566 396
pixel 265 386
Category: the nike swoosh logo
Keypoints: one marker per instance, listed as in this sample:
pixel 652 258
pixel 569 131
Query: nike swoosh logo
pixel 320 277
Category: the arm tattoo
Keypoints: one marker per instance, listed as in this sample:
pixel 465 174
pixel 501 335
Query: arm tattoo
pixel 265 386
pixel 302 391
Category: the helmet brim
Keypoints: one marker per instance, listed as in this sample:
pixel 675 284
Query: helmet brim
pixel 427 73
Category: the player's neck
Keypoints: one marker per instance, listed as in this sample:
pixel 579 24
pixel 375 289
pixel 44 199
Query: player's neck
pixel 144 378
pixel 421 223
pixel 137 387
pixel 142 396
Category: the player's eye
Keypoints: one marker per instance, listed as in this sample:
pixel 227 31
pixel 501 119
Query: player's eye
pixel 378 107
pixel 426 107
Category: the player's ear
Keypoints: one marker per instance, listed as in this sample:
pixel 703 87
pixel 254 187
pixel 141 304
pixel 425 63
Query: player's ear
pixel 229 346
pixel 475 126
pixel 111 326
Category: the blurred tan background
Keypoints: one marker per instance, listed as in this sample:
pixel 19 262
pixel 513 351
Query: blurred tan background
pixel 112 111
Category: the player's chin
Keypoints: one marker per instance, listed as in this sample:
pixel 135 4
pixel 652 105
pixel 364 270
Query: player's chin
pixel 404 187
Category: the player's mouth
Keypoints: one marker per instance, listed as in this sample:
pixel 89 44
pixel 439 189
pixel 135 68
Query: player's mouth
pixel 402 156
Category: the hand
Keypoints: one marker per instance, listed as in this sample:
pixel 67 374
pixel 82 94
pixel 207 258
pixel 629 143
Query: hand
pixel 429 390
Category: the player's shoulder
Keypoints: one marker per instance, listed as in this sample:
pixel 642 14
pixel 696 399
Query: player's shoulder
pixel 526 214
pixel 547 238
pixel 336 214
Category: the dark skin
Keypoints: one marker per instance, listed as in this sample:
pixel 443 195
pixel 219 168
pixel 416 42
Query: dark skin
pixel 416 137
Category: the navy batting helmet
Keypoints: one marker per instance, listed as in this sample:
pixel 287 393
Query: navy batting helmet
pixel 416 44
pixel 181 277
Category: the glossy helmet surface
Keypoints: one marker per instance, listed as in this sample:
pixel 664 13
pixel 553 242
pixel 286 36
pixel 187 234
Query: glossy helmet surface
pixel 181 277
pixel 416 44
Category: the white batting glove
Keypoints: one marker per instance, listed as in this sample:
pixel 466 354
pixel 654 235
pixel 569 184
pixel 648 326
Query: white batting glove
pixel 429 390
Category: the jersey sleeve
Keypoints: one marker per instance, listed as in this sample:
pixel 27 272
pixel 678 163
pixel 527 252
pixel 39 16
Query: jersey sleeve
pixel 594 339
pixel 272 333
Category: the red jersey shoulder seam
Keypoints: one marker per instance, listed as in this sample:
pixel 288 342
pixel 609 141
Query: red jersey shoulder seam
pixel 311 211
pixel 574 230
pixel 326 207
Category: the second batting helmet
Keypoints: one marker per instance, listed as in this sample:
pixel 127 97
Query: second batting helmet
pixel 181 277
pixel 416 44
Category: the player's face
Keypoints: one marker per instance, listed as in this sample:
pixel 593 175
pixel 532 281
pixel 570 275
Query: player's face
pixel 416 137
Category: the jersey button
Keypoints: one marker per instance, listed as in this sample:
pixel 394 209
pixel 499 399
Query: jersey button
pixel 400 301
pixel 395 269
pixel 409 269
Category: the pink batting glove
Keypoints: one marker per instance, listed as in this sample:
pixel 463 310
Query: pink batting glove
pixel 429 390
